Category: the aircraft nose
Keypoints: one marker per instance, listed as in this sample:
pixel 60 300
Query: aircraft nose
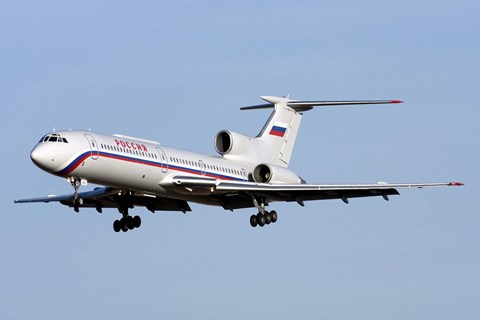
pixel 36 156
pixel 41 158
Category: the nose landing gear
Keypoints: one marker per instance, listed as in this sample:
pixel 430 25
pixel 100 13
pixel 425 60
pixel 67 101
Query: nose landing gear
pixel 76 201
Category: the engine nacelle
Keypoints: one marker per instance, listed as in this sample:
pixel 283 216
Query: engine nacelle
pixel 269 173
pixel 234 144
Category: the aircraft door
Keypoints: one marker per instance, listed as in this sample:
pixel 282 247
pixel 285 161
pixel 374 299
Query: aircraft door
pixel 93 146
pixel 163 159
pixel 202 166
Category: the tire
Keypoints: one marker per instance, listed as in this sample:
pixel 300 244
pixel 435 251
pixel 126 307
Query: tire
pixel 253 220
pixel 268 218
pixel 261 219
pixel 117 226
pixel 123 225
pixel 274 216
pixel 129 222
pixel 137 222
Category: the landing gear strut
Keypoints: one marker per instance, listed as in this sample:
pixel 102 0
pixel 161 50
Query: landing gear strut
pixel 263 217
pixel 76 201
pixel 127 222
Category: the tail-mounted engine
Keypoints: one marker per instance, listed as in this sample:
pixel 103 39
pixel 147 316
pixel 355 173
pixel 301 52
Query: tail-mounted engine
pixel 268 173
pixel 229 143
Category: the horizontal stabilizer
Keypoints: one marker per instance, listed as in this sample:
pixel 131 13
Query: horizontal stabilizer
pixel 300 106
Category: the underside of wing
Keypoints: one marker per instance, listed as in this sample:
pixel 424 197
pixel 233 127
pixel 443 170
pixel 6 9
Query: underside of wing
pixel 240 194
pixel 114 198
pixel 94 194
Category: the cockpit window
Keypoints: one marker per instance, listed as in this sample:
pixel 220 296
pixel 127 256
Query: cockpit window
pixel 54 137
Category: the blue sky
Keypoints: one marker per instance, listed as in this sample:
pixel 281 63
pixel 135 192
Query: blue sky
pixel 177 72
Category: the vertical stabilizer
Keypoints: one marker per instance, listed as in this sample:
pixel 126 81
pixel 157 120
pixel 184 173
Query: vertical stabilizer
pixel 279 132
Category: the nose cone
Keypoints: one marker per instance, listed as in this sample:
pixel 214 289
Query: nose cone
pixel 36 156
pixel 42 158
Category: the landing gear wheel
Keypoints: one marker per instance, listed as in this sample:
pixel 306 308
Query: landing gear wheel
pixel 253 220
pixel 261 219
pixel 129 222
pixel 123 222
pixel 137 222
pixel 117 226
pixel 268 217
pixel 274 216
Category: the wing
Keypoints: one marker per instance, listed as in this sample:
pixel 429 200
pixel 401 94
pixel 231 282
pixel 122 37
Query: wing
pixel 115 198
pixel 235 195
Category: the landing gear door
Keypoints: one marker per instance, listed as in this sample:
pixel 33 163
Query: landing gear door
pixel 163 159
pixel 93 146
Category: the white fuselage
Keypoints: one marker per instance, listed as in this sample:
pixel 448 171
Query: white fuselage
pixel 131 163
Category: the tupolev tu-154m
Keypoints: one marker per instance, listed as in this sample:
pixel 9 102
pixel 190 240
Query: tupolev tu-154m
pixel 249 172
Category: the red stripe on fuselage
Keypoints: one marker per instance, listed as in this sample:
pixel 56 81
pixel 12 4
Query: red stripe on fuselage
pixel 81 159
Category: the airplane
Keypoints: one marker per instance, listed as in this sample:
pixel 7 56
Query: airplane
pixel 249 172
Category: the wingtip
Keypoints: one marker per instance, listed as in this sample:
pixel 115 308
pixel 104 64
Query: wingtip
pixel 396 101
pixel 456 184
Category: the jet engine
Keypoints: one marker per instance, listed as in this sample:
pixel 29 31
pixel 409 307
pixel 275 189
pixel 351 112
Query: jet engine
pixel 234 144
pixel 269 173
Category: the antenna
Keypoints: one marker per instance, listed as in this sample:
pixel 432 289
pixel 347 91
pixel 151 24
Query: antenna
pixel 54 129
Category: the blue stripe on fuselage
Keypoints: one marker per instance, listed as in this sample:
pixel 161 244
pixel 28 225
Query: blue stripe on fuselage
pixel 77 161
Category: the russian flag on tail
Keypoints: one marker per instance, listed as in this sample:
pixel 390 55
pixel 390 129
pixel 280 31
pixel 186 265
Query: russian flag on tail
pixel 278 129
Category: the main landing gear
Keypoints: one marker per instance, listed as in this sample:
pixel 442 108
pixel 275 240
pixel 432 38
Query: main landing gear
pixel 127 222
pixel 263 217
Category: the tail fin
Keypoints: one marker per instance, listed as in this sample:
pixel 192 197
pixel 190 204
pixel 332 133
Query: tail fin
pixel 280 131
